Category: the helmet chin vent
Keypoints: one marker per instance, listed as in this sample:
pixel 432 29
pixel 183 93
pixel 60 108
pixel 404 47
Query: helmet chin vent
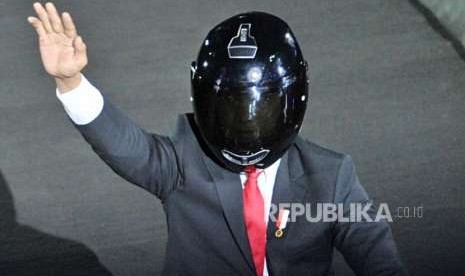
pixel 245 160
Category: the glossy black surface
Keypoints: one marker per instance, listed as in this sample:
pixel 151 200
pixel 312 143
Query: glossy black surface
pixel 249 89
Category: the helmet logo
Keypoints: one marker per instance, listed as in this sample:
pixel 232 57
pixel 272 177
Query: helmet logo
pixel 245 160
pixel 243 45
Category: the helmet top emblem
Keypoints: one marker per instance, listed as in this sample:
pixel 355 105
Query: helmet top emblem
pixel 243 45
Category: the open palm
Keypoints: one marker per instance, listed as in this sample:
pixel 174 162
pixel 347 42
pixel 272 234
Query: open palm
pixel 62 51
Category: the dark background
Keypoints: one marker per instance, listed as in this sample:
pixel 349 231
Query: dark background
pixel 386 88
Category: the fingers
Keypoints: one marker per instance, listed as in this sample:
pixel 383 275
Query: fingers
pixel 54 18
pixel 43 16
pixel 49 21
pixel 70 29
pixel 38 26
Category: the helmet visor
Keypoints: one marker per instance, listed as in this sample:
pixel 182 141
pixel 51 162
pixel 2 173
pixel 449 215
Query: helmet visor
pixel 249 119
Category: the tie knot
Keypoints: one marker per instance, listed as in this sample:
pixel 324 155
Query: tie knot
pixel 251 171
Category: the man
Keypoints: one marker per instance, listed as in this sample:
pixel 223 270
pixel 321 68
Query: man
pixel 233 162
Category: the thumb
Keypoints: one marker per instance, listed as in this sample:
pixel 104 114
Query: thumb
pixel 80 47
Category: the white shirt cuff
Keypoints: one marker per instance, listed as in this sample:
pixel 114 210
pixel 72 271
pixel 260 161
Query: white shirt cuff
pixel 82 104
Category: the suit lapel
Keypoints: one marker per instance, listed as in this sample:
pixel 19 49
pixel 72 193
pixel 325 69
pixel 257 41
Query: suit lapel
pixel 281 193
pixel 290 187
pixel 229 189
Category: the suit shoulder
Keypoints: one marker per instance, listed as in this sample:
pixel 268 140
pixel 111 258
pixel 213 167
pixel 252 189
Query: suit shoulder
pixel 318 151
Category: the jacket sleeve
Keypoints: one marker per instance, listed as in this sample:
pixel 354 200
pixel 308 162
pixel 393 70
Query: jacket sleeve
pixel 368 247
pixel 147 160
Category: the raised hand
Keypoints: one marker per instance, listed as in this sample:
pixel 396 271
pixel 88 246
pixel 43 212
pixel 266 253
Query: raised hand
pixel 62 50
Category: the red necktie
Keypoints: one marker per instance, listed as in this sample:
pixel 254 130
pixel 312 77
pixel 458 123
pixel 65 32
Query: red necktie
pixel 254 216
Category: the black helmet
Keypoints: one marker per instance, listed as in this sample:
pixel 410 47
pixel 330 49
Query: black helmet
pixel 249 90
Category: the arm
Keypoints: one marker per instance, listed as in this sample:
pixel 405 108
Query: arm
pixel 147 160
pixel 368 247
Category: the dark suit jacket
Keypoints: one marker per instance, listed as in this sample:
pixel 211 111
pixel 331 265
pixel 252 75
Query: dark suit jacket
pixel 203 203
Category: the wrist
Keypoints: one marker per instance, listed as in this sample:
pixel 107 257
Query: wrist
pixel 67 84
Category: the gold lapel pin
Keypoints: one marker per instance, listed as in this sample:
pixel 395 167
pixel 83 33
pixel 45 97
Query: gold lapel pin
pixel 281 222
pixel 278 233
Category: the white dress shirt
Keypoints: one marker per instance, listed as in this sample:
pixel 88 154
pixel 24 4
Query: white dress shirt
pixel 85 102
